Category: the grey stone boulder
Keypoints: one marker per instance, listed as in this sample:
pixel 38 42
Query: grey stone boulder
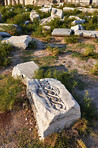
pixel 45 20
pixel 57 13
pixel 87 33
pixel 34 15
pixel 62 32
pixel 19 41
pixel 80 21
pixel 77 27
pixel 4 34
pixel 90 33
pixel 53 106
pixel 24 71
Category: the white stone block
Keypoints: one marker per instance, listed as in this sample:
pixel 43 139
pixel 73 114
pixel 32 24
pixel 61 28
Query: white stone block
pixel 77 27
pixel 19 41
pixel 24 71
pixel 34 15
pixel 61 32
pixel 57 13
pixel 54 107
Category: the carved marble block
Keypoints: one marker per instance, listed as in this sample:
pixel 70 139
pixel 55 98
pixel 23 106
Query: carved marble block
pixel 54 107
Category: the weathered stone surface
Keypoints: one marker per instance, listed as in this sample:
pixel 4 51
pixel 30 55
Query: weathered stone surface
pixel 90 33
pixel 4 34
pixel 24 71
pixel 77 27
pixel 19 41
pixel 80 21
pixel 34 15
pixel 91 10
pixel 54 107
pixel 57 13
pixel 68 8
pixel 47 27
pixel 79 32
pixel 46 10
pixel 45 20
pixel 61 32
pixel 87 33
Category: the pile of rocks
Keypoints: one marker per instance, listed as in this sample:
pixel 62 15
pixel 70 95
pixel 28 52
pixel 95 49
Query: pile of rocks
pixel 53 106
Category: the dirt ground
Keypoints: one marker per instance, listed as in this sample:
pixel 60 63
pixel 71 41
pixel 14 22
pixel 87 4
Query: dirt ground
pixel 12 123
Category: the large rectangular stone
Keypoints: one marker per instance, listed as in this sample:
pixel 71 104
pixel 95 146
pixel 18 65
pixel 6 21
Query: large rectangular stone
pixel 62 32
pixel 54 107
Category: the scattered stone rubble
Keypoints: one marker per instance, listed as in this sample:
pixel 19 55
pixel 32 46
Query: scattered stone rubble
pixel 54 107
pixel 19 41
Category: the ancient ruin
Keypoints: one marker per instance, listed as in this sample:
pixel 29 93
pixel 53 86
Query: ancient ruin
pixel 41 2
pixel 53 106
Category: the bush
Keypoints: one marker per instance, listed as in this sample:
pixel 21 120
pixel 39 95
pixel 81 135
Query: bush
pixel 66 78
pixel 43 14
pixel 55 50
pixel 5 50
pixel 94 70
pixel 19 19
pixel 88 108
pixel 9 91
pixel 89 50
pixel 10 29
pixel 72 39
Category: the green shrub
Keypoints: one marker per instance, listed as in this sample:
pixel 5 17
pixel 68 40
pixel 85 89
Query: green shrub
pixel 72 39
pixel 88 108
pixel 19 19
pixel 89 50
pixel 5 50
pixel 38 32
pixel 10 29
pixel 94 70
pixel 66 78
pixel 55 50
pixel 9 91
pixel 43 14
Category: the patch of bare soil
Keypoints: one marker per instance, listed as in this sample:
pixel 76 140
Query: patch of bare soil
pixel 13 123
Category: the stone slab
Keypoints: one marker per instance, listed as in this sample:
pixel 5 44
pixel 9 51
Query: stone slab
pixel 62 32
pixel 24 71
pixel 19 41
pixel 87 33
pixel 54 107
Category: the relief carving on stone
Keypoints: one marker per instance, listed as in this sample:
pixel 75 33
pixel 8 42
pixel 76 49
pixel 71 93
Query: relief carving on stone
pixel 52 93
